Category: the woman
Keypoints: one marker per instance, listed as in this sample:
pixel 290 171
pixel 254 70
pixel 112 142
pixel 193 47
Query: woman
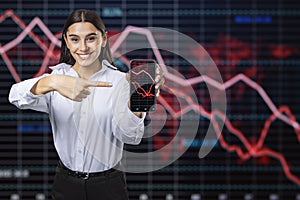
pixel 87 102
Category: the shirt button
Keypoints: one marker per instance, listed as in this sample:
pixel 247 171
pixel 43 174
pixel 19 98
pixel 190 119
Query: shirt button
pixel 79 151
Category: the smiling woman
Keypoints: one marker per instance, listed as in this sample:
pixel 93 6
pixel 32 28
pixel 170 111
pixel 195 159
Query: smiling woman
pixel 85 42
pixel 87 131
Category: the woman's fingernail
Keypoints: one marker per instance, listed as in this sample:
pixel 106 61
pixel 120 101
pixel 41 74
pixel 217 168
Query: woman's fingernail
pixel 157 71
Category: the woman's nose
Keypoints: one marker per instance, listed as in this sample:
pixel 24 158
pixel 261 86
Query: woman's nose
pixel 83 46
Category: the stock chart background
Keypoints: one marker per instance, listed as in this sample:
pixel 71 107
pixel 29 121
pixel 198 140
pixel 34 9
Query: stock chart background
pixel 255 45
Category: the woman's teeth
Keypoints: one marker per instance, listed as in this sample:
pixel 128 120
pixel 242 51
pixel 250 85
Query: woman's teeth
pixel 84 56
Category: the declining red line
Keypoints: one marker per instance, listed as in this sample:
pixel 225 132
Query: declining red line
pixel 256 150
pixel 145 72
pixel 253 150
pixel 202 78
pixel 144 93
pixel 27 30
pixel 138 87
pixel 10 66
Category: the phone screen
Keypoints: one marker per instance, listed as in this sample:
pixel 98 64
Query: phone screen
pixel 142 85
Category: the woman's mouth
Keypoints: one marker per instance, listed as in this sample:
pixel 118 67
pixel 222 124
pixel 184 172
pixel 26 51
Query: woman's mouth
pixel 84 56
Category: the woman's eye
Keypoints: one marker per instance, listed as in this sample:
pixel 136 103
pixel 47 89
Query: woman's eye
pixel 91 39
pixel 74 39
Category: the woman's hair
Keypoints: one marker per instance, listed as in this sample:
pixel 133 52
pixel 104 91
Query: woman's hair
pixel 83 15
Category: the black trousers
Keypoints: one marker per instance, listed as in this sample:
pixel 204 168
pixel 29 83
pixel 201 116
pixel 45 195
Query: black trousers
pixel 107 186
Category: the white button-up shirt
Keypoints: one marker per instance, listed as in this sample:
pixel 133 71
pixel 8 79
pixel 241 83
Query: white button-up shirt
pixel 89 136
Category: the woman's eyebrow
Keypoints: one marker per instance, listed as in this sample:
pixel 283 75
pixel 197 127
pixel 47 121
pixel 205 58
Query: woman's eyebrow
pixel 74 35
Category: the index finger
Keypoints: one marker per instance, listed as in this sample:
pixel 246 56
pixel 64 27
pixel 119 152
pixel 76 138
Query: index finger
pixel 99 84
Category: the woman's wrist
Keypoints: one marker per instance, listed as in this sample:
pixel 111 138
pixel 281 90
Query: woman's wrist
pixel 138 114
pixel 44 85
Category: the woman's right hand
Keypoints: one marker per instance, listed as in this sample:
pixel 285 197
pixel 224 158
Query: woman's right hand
pixel 70 87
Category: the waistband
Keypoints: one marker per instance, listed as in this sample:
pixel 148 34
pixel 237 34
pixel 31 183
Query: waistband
pixel 83 175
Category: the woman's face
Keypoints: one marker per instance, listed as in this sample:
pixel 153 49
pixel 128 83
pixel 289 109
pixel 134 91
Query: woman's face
pixel 84 41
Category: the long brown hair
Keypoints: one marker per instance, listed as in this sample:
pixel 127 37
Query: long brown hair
pixel 83 15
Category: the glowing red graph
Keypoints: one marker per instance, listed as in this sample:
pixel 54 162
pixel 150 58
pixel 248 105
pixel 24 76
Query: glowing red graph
pixel 144 90
pixel 27 31
pixel 253 150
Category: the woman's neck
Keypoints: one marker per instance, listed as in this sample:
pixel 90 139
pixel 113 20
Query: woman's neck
pixel 86 72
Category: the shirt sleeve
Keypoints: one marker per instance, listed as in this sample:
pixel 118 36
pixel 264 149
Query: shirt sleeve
pixel 127 127
pixel 21 96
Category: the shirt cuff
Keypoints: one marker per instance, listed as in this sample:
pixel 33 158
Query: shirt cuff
pixel 30 84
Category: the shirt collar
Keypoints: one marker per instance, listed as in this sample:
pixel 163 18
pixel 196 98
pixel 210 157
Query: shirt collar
pixel 107 64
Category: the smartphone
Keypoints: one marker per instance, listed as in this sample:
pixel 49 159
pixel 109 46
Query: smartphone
pixel 142 85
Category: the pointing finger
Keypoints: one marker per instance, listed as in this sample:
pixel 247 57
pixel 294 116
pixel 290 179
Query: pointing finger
pixel 99 84
pixel 104 84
